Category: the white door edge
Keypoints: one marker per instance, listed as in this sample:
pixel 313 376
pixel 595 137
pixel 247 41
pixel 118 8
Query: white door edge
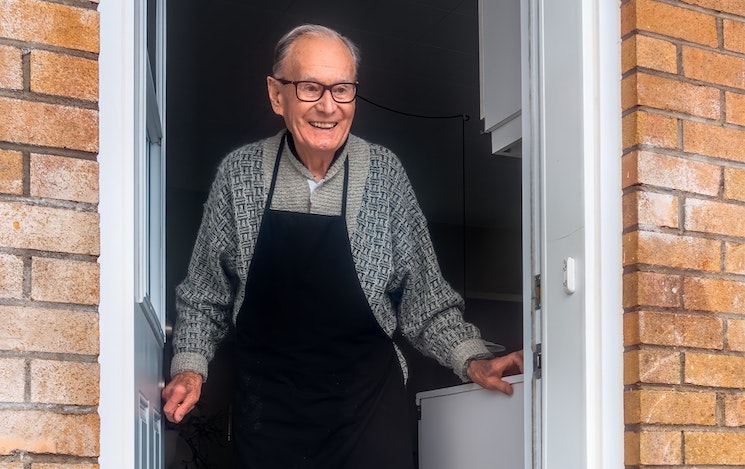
pixel 116 208
pixel 604 226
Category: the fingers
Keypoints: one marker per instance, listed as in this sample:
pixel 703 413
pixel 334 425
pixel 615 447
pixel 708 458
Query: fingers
pixel 515 363
pixel 488 373
pixel 181 395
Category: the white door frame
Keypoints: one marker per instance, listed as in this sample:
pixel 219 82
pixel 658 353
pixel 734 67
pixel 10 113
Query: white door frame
pixel 576 54
pixel 602 386
pixel 117 210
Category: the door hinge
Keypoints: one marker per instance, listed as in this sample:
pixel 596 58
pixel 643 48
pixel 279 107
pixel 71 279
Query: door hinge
pixel 537 361
pixel 537 291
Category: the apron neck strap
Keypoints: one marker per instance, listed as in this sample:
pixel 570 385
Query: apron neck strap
pixel 270 195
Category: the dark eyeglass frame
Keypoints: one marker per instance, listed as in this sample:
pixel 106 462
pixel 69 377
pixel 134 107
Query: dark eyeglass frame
pixel 324 87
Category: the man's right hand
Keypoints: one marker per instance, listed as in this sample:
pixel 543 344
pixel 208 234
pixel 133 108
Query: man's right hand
pixel 181 395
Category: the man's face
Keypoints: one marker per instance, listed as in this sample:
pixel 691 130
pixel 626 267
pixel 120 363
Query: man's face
pixel 319 128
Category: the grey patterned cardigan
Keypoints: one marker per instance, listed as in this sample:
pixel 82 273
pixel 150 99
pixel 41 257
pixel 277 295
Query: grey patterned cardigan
pixel 392 251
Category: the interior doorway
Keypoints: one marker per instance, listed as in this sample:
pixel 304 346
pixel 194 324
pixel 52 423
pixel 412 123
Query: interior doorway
pixel 419 57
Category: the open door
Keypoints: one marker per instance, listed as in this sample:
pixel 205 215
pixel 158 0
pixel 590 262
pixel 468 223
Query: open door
pixel 149 306
pixel 131 159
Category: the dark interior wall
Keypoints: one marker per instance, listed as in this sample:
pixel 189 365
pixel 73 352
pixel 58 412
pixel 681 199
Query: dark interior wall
pixel 419 57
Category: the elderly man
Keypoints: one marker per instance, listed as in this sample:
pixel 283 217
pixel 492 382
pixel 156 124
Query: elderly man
pixel 313 246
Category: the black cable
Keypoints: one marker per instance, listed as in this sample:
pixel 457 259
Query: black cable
pixel 465 118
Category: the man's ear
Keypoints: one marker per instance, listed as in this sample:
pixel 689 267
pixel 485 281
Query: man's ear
pixel 274 88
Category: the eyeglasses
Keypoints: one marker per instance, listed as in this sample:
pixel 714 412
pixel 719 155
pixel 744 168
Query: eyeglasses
pixel 311 91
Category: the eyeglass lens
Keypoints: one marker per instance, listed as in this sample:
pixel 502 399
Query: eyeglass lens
pixel 312 91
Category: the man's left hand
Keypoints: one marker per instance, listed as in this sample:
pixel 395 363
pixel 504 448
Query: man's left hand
pixel 489 373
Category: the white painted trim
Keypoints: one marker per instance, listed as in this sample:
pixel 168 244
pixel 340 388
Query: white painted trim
pixel 116 207
pixel 610 227
pixel 603 224
pixel 597 374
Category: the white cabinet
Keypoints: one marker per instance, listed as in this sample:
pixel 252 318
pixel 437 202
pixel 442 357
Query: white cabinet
pixel 468 427
pixel 500 52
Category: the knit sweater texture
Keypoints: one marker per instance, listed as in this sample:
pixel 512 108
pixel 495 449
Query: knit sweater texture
pixel 389 239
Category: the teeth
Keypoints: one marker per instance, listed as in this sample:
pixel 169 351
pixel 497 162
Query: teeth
pixel 324 125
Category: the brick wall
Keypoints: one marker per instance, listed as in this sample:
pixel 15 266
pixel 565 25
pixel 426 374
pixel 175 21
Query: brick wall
pixel 49 234
pixel 684 232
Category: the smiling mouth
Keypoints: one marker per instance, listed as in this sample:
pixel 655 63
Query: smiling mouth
pixel 324 125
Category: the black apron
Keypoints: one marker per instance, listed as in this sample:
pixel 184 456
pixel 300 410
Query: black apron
pixel 318 382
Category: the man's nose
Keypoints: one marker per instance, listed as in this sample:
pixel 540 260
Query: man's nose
pixel 327 102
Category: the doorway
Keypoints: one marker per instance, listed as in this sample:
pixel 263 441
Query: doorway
pixel 419 58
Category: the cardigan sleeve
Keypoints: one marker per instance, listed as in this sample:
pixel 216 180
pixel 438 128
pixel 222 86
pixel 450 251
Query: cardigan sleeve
pixel 430 311
pixel 204 300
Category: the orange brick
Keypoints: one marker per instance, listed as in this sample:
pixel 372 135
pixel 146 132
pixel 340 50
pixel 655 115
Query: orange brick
pixel 12 379
pixel 654 169
pixel 644 128
pixel 653 448
pixel 11 68
pixel 64 75
pixel 652 366
pixel 736 7
pixel 49 229
pixel 680 330
pixel 734 410
pixel 650 208
pixel 651 289
pixel 629 95
pixel 710 448
pixel 631 329
pixel 673 21
pixel 722 371
pixel 63 465
pixel 734 35
pixel 11 172
pixel 714 67
pixel 628 17
pixel 59 382
pixel 63 26
pixel 716 295
pixel 58 177
pixel 671 250
pixel 713 140
pixel 734 258
pixel 736 335
pixel 735 108
pixel 734 184
pixel 631 333
pixel 48 125
pixel 670 407
pixel 628 53
pixel 35 431
pixel 64 281
pixel 25 329
pixel 648 52
pixel 11 276
pixel 673 95
pixel 707 216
